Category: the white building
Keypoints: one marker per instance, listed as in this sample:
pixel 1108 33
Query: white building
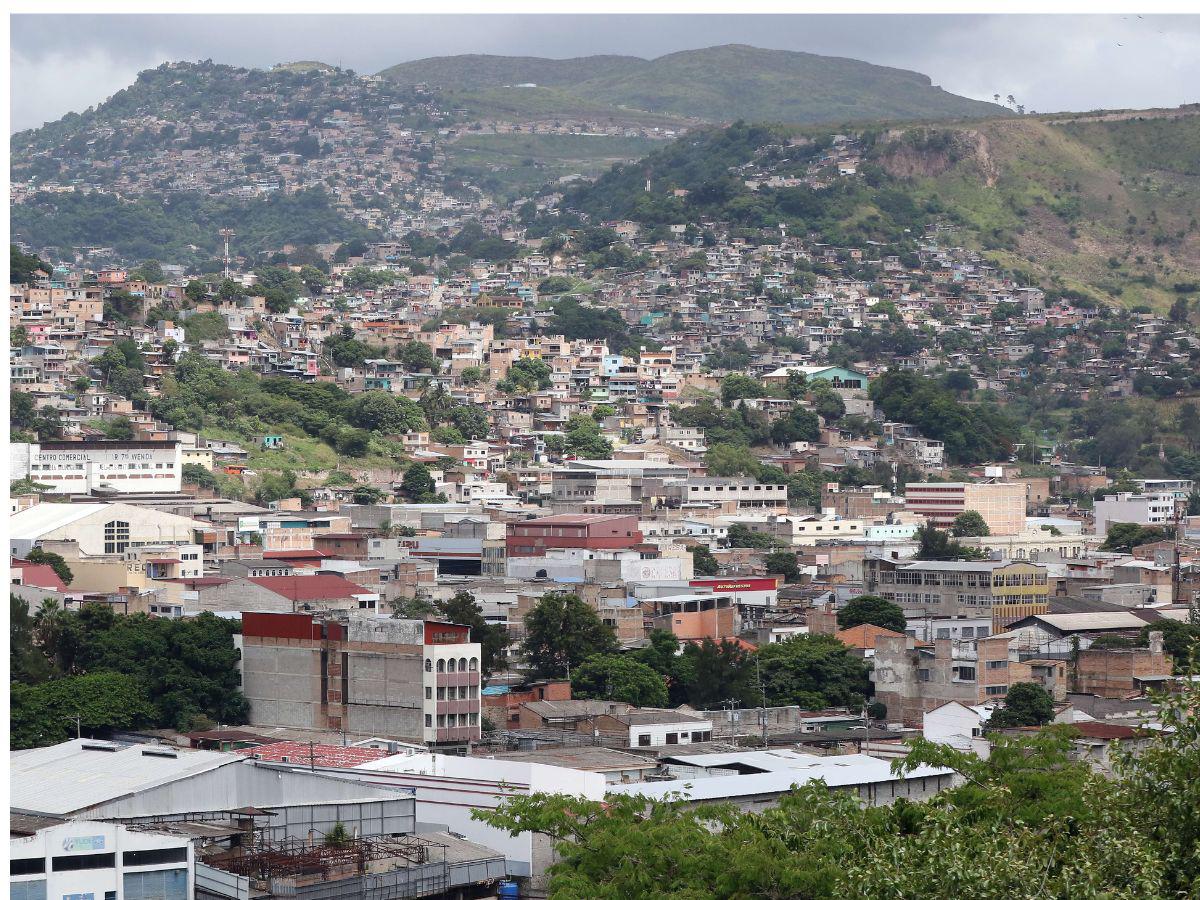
pixel 104 529
pixel 959 726
pixel 83 858
pixel 1151 508
pixel 575 565
pixel 81 467
pixel 447 789
pixel 755 779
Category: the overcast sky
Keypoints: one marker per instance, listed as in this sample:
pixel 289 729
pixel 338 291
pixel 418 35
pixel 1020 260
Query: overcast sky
pixel 63 63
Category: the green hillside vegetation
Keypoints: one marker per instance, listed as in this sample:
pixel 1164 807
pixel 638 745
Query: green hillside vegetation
pixel 182 227
pixel 1106 208
pixel 713 84
pixel 518 164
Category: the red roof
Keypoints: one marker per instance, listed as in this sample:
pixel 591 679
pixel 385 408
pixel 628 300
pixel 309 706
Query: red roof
pixel 311 587
pixel 39 575
pixel 331 755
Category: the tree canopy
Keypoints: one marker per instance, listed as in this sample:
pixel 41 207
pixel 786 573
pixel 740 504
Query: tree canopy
pixel 561 631
pixel 869 609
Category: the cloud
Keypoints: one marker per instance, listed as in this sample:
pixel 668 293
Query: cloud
pixel 1052 62
pixel 52 83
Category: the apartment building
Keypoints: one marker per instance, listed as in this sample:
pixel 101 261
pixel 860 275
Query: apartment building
pixel 592 532
pixel 911 679
pixel 402 678
pixel 1001 503
pixel 1005 590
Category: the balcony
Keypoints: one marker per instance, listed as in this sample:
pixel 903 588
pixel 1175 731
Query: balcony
pixel 457 679
pixel 457 735
pixel 458 706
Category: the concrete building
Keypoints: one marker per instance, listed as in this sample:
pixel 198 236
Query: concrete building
pixel 590 532
pixel 911 680
pixel 284 594
pixel 52 857
pixel 747 494
pixel 1118 673
pixel 101 529
pixel 578 565
pixel 1006 591
pixel 400 678
pixel 1152 507
pixel 82 467
pixel 1001 503
pixel 960 726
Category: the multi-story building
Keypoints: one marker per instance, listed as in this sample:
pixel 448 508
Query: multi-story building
pixel 1155 505
pixel 1005 591
pixel 748 494
pixel 78 467
pixel 911 680
pixel 401 678
pixel 591 532
pixel 1001 503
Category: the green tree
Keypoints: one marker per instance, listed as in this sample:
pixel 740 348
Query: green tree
pixel 43 714
pixel 418 485
pixel 464 609
pixel 27 663
pixel 472 375
pixel 118 428
pixel 585 439
pixel 1025 704
pixel 414 608
pixel 799 424
pixel 813 671
pixel 783 562
pixel 54 561
pixel 969 523
pixel 418 357
pixel 385 413
pixel 620 679
pixel 703 561
pixel 933 543
pixel 21 266
pixel 365 495
pixel 195 291
pixel 150 271
pixel 194 473
pixel 713 672
pixel 561 631
pixel 872 610
pixel 1122 537
pixel 736 387
pixel 740 535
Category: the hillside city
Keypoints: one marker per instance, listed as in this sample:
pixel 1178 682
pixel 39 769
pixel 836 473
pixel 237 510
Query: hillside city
pixel 383 520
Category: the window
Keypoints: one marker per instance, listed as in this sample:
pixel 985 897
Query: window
pixel 428 720
pixel 462 664
pixel 154 857
pixel 442 665
pixel 116 536
pixel 35 866
pixel 428 693
pixel 429 665
pixel 27 890
pixel 672 737
pixel 84 861
pixel 165 884
pixel 473 665
pixel 997 690
pixel 997 664
pixel 643 740
pixel 697 737
pixel 452 665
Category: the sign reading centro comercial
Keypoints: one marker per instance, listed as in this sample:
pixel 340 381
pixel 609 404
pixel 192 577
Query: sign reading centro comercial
pixel 90 843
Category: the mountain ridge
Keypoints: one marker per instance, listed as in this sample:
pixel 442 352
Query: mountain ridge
pixel 715 84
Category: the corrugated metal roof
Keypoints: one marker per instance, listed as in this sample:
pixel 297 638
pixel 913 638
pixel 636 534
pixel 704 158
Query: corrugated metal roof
pixel 837 771
pixel 67 778
pixel 30 524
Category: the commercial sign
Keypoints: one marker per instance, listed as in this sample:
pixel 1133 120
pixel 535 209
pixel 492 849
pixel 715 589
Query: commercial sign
pixel 89 843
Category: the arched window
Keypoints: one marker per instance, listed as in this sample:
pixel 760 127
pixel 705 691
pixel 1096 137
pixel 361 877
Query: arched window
pixel 441 665
pixel 452 662
pixel 474 664
pixel 429 665
pixel 116 537
pixel 462 664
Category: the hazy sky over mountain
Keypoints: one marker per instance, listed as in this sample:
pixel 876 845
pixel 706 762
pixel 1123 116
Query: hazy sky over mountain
pixel 63 63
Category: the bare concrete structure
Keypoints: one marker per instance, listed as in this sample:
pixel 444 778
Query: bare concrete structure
pixel 401 678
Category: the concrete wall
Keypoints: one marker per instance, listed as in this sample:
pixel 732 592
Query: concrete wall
pixel 282 682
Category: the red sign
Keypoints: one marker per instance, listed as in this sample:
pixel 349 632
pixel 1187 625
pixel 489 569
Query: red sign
pixel 744 584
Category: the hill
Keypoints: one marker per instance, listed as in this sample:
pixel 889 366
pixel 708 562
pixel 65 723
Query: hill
pixel 715 84
pixel 1103 206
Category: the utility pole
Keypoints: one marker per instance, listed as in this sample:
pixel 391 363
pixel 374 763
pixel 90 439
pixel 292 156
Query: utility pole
pixel 763 692
pixel 226 233
pixel 78 720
